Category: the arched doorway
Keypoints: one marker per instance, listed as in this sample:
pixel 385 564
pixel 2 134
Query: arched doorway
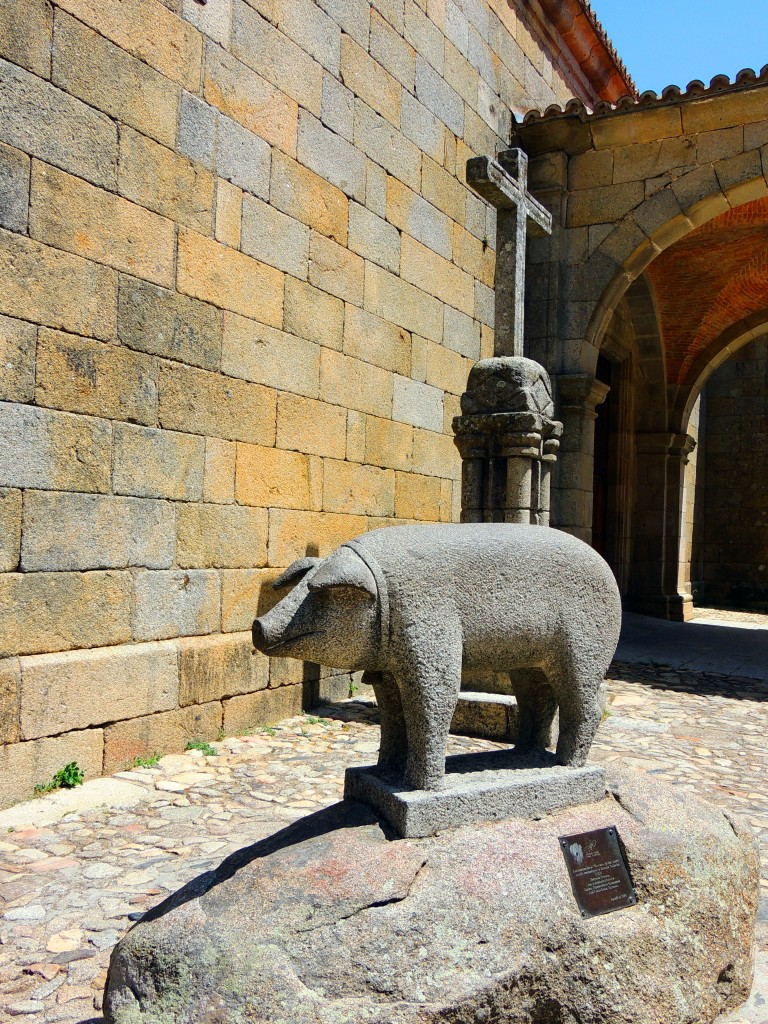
pixel 729 564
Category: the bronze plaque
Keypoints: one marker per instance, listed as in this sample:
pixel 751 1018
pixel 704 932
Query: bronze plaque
pixel 599 875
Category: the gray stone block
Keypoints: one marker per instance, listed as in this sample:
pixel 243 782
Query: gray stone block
pixel 374 238
pixel 165 323
pixel 422 127
pixel 461 333
pixel 43 121
pixel 337 107
pixel 353 16
pixel 419 404
pixel 242 157
pixel 95 531
pixel 181 602
pixel 386 146
pixel 330 156
pixel 274 238
pixel 477 787
pixel 14 189
pixel 435 93
pixel 197 130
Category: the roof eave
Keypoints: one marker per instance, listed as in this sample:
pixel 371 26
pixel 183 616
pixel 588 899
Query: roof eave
pixel 591 48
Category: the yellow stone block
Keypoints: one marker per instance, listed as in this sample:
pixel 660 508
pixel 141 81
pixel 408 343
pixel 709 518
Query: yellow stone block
pixel 358 489
pixel 307 197
pixel 262 354
pixel 394 299
pixel 355 436
pixel 24 765
pixel 77 689
pixel 473 255
pixel 149 31
pixel 221 536
pixel 229 279
pixel 443 190
pixel 294 534
pixel 355 384
pixel 335 269
pixel 646 125
pixel 229 213
pixel 309 426
pixel 213 667
pixel 167 732
pixel 105 76
pixel 44 611
pixel 10 688
pixel 70 214
pixel 201 402
pixel 245 594
pixel 247 98
pixel 25 34
pixel 47 286
pixel 426 270
pixel 163 181
pixel 435 454
pixel 418 497
pixel 271 477
pixel 374 340
pixel 313 314
pixel 388 443
pixel 80 375
pixel 219 471
pixel 249 711
pixel 447 369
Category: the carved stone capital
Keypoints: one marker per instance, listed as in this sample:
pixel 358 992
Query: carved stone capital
pixel 580 391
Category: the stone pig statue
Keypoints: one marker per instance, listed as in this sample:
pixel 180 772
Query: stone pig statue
pixel 413 604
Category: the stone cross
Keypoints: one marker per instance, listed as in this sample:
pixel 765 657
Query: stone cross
pixel 504 184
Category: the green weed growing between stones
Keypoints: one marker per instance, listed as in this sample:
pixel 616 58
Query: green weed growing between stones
pixel 201 745
pixel 68 777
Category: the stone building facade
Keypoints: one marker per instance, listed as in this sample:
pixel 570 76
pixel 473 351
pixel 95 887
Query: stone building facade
pixel 242 283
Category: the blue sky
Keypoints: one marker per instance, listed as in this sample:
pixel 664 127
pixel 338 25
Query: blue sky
pixel 665 42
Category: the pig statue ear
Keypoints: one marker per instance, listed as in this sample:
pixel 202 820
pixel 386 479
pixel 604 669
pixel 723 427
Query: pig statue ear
pixel 345 569
pixel 295 571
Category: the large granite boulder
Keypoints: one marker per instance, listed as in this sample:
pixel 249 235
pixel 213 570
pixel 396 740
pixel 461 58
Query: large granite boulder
pixel 331 921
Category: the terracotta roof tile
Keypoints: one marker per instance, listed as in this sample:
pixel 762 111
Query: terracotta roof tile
pixel 672 94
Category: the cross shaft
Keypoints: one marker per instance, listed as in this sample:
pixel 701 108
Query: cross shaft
pixel 504 184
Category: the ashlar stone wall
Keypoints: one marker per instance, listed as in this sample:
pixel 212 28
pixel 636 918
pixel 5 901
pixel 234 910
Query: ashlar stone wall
pixel 242 284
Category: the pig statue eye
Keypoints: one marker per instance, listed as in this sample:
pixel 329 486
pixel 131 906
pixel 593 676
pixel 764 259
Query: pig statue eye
pixel 295 571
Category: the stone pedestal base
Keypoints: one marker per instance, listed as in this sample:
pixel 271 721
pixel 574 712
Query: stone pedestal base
pixel 331 921
pixel 478 787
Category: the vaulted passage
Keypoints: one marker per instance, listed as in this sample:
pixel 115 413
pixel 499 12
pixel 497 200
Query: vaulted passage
pixel 655 275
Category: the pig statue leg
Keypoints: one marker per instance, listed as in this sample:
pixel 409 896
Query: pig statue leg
pixel 393 748
pixel 429 689
pixel 536 706
pixel 577 690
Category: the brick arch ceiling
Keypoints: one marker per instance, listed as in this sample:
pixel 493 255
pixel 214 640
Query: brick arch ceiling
pixel 708 281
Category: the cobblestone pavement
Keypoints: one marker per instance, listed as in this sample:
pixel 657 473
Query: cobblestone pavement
pixel 70 888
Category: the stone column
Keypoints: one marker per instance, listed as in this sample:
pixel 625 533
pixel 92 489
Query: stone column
pixel 579 394
pixel 507 440
pixel 661 461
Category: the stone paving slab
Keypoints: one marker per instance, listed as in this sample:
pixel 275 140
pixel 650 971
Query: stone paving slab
pixel 69 889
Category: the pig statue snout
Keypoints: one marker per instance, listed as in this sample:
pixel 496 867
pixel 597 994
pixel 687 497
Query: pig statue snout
pixel 329 617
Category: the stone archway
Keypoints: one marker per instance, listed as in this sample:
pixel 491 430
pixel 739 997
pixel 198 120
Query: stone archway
pixel 635 190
